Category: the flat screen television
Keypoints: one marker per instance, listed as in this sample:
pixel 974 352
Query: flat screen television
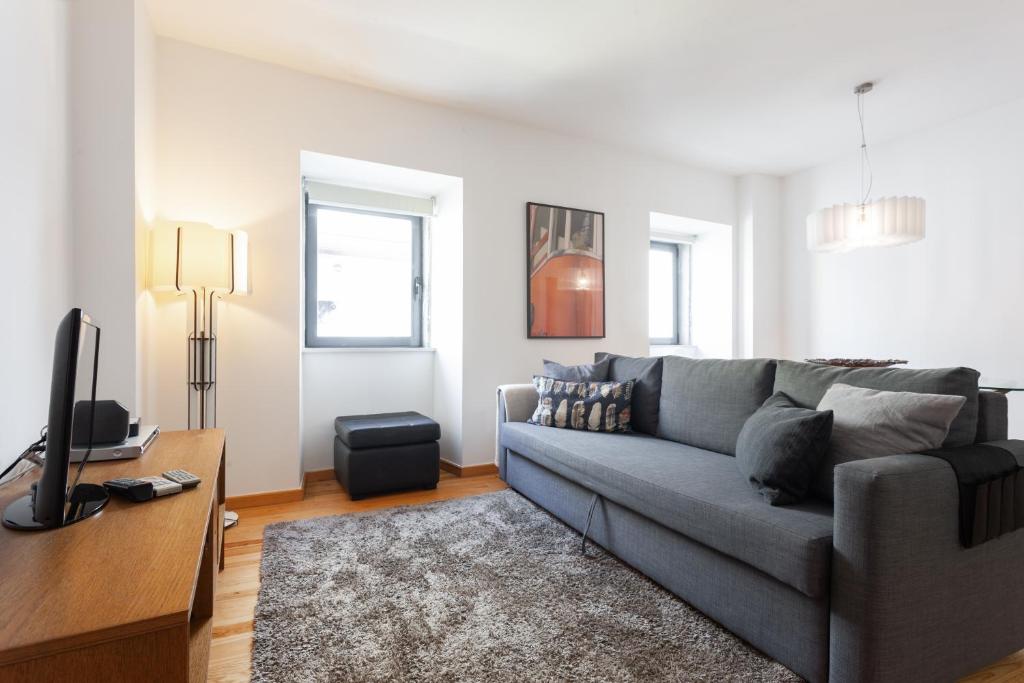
pixel 54 501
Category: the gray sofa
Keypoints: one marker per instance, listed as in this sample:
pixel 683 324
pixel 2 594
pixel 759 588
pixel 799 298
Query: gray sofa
pixel 872 587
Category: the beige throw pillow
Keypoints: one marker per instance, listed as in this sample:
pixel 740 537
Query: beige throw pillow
pixel 869 423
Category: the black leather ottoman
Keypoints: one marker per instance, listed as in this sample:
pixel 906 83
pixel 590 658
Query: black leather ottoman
pixel 386 452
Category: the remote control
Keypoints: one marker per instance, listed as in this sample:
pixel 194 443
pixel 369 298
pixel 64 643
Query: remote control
pixel 161 486
pixel 186 479
pixel 134 490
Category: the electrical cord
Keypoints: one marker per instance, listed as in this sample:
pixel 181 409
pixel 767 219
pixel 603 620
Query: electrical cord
pixel 30 456
pixel 864 159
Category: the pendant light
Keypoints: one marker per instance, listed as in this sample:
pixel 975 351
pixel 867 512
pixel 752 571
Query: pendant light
pixel 884 222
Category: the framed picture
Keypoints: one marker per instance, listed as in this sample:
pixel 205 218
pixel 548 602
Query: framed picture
pixel 565 272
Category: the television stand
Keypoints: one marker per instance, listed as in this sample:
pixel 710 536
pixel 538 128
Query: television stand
pixel 127 596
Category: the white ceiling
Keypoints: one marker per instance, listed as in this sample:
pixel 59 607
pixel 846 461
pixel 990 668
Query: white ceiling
pixel 739 85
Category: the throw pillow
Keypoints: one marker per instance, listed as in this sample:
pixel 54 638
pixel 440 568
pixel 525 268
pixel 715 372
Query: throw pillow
pixel 780 448
pixel 589 372
pixel 646 372
pixel 591 406
pixel 869 424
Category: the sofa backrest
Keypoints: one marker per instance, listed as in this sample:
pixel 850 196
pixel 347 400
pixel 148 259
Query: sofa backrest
pixel 704 402
pixel 993 422
pixel 806 383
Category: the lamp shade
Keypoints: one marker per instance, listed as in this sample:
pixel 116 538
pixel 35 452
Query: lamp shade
pixel 886 222
pixel 187 256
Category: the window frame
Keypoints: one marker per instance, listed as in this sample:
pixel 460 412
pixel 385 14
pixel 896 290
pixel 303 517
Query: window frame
pixel 681 270
pixel 414 340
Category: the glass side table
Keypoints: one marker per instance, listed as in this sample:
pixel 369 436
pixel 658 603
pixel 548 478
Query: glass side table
pixel 1000 385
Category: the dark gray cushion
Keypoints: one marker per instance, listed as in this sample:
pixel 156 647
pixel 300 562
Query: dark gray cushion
pixel 781 447
pixel 646 391
pixel 386 429
pixel 705 402
pixel 692 491
pixel 806 384
pixel 588 372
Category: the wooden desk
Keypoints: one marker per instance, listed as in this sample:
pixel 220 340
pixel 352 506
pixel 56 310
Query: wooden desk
pixel 128 594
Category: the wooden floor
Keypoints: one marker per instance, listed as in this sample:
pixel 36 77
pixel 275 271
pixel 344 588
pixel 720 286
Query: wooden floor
pixel 237 585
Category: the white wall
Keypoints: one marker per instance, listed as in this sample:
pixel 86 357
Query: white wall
pixel 712 302
pixel 35 233
pixel 355 383
pixel 230 131
pixel 102 128
pixel 951 299
pixel 144 98
pixel 759 266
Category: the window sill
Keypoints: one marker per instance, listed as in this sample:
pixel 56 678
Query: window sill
pixel 367 349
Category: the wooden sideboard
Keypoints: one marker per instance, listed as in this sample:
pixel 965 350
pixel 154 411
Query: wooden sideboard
pixel 126 595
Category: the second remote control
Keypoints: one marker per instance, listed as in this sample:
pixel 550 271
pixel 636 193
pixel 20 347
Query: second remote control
pixel 186 479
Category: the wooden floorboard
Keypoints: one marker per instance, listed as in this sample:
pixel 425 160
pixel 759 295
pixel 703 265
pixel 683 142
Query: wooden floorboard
pixel 238 584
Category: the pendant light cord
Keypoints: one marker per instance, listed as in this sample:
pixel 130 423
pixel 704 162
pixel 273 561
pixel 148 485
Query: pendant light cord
pixel 865 160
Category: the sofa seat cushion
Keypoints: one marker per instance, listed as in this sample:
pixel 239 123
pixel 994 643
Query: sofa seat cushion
pixel 695 492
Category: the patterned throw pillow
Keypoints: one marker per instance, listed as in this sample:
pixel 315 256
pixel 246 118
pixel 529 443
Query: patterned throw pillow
pixel 590 406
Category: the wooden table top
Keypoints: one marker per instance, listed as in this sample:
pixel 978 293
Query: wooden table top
pixel 130 569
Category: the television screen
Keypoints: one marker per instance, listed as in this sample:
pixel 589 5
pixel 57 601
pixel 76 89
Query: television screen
pixel 73 378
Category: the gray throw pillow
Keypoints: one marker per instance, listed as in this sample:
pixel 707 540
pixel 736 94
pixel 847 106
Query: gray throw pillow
pixel 589 406
pixel 588 372
pixel 870 424
pixel 647 392
pixel 780 448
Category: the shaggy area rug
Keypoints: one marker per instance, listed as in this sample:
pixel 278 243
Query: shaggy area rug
pixel 488 588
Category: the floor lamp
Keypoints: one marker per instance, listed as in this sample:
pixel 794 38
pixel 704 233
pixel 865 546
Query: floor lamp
pixel 205 264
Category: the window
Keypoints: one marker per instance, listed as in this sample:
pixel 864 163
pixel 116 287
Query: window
pixel 669 293
pixel 364 277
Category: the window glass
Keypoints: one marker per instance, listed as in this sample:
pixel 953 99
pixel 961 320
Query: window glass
pixel 662 294
pixel 365 279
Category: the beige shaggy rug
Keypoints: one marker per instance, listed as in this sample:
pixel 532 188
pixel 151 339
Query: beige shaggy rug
pixel 489 588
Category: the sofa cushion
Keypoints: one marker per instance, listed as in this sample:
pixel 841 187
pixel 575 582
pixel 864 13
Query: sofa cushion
pixel 705 402
pixel 781 447
pixel 869 423
pixel 596 406
pixel 646 390
pixel 806 384
pixel 692 491
pixel 589 372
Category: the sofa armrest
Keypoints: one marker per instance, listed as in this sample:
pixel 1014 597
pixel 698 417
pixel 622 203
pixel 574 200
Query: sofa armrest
pixel 516 403
pixel 908 602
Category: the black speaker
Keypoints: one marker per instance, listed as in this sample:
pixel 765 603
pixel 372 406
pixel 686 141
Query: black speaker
pixel 110 424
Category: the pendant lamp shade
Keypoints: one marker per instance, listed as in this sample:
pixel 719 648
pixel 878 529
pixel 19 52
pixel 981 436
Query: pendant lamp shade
pixel 885 222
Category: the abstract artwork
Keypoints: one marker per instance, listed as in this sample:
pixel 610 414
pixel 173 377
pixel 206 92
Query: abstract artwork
pixel 565 269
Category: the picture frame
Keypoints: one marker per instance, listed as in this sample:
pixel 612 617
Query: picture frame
pixel 565 272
